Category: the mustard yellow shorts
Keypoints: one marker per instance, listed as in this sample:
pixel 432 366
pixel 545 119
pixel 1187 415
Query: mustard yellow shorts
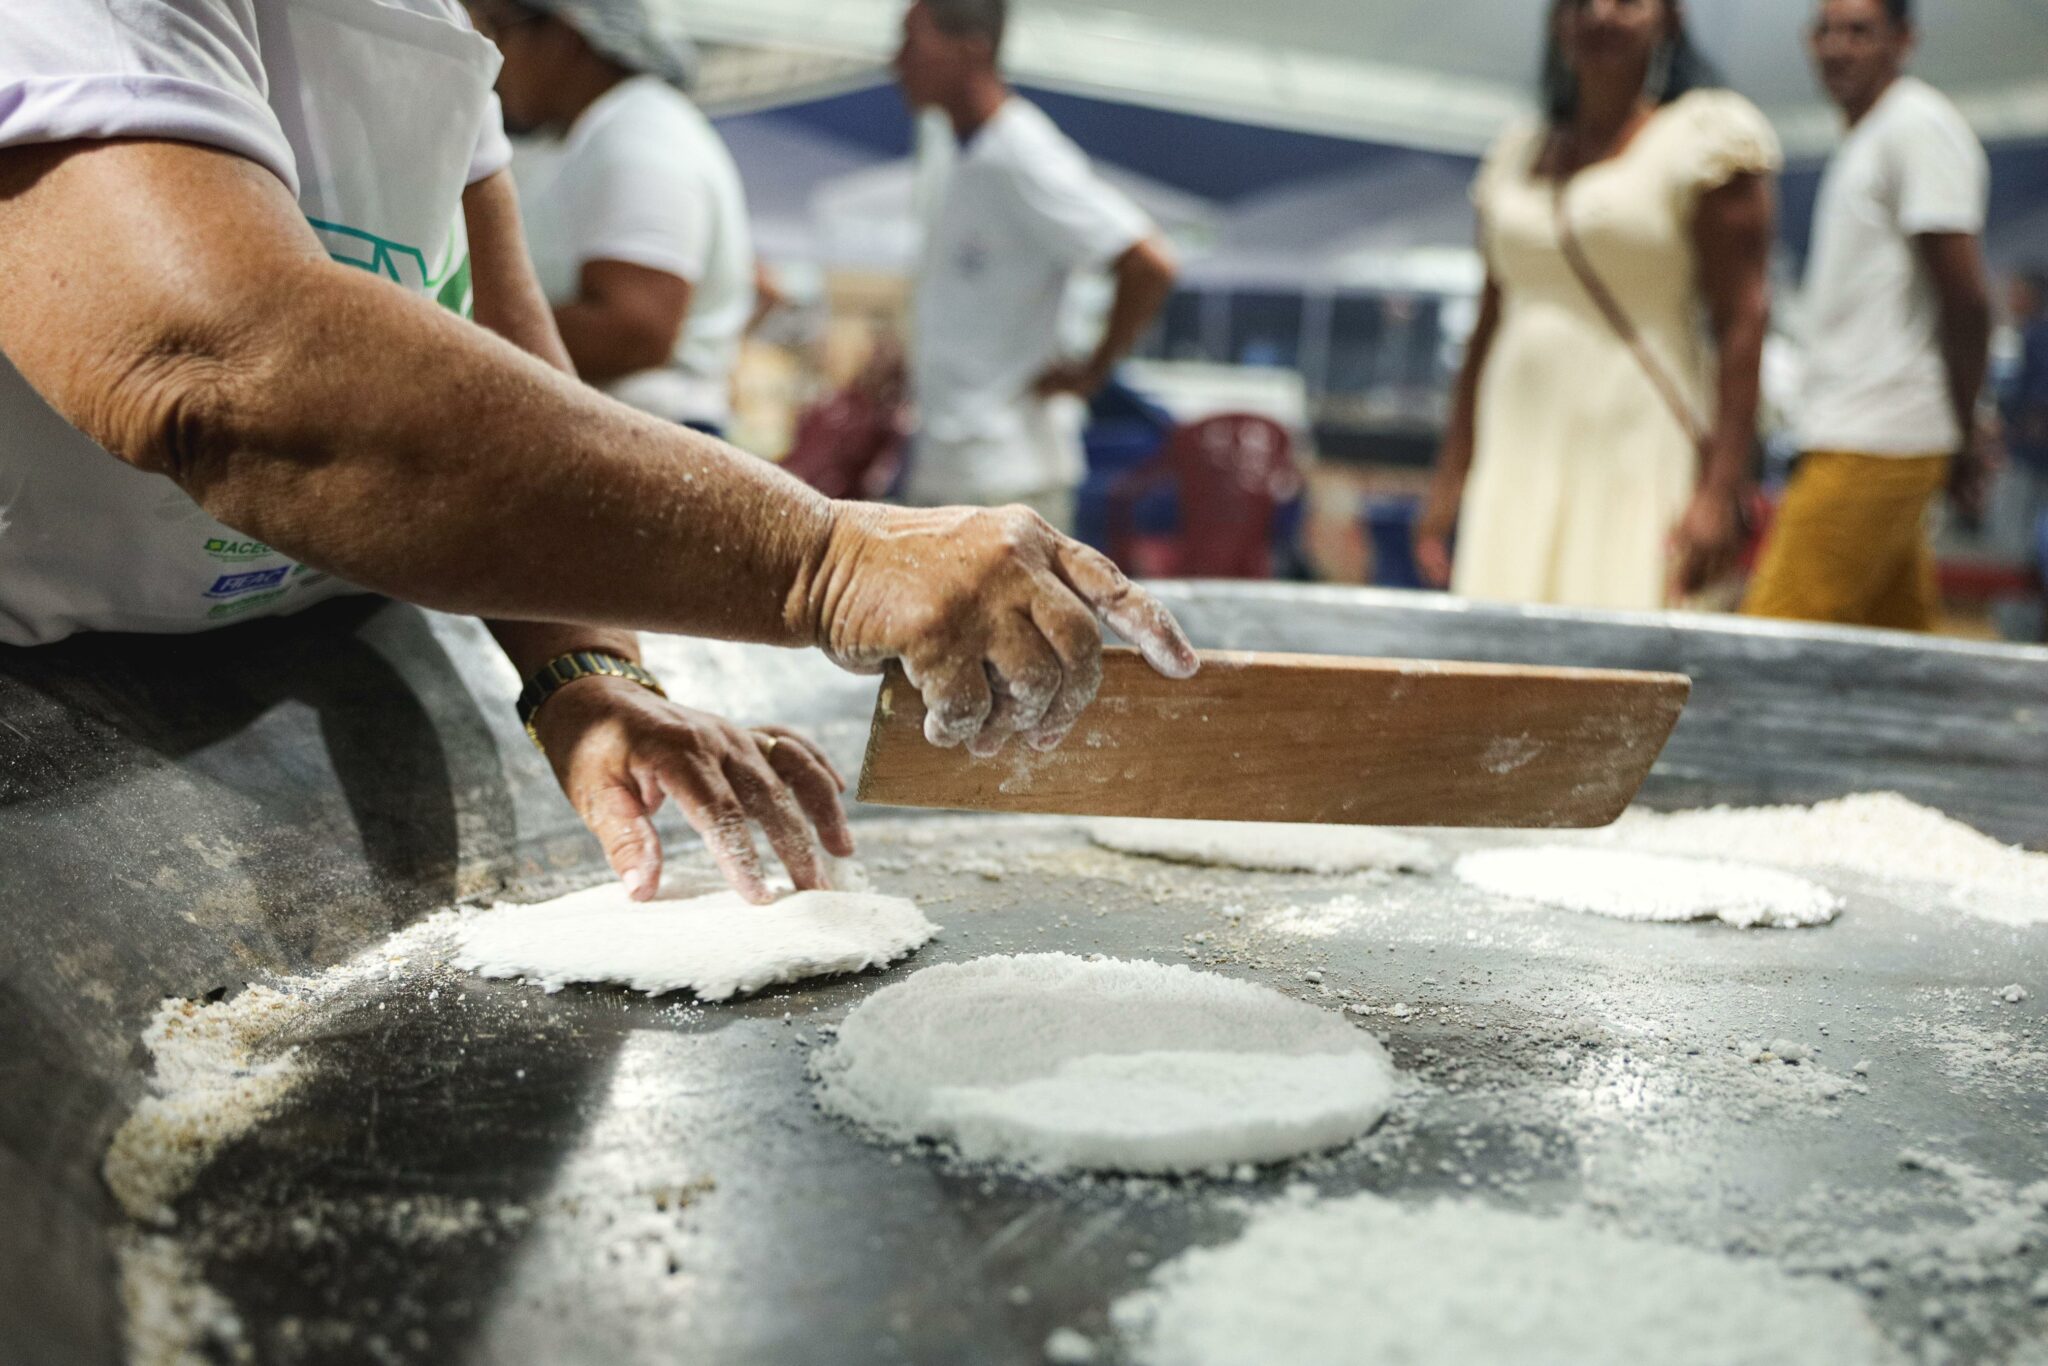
pixel 1850 543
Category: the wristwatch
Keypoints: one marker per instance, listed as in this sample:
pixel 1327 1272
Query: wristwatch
pixel 561 671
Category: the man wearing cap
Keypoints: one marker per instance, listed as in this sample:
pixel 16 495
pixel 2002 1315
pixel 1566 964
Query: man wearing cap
pixel 999 416
pixel 239 241
pixel 633 209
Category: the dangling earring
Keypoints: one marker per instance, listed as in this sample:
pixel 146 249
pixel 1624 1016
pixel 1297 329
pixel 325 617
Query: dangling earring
pixel 1657 84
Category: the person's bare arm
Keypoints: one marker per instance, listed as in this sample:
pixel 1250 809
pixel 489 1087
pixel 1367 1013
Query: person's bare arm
pixel 1454 460
pixel 619 751
pixel 170 301
pixel 1144 281
pixel 768 297
pixel 1955 261
pixel 1732 230
pixel 509 302
pixel 624 319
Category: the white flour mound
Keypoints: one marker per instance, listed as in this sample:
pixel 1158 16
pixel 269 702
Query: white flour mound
pixel 717 946
pixel 1268 848
pixel 1365 1281
pixel 1878 834
pixel 1631 886
pixel 1058 1063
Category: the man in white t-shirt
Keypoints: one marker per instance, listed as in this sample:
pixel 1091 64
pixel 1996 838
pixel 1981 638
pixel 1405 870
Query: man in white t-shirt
pixel 243 244
pixel 1000 407
pixel 1897 331
pixel 634 210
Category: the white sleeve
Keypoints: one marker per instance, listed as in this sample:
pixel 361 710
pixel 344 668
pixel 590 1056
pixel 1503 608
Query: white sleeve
pixel 493 151
pixel 1944 176
pixel 183 70
pixel 632 200
pixel 1080 219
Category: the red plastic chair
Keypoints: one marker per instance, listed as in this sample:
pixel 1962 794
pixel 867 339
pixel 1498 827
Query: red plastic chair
pixel 1232 474
pixel 849 446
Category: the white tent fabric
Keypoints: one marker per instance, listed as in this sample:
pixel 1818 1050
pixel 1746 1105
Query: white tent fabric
pixel 1439 74
pixel 782 168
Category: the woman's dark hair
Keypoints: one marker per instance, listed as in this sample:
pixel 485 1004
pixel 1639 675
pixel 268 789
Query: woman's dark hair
pixel 1679 69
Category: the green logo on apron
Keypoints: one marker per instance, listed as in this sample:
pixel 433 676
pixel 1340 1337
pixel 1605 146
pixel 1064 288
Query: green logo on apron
pixel 401 264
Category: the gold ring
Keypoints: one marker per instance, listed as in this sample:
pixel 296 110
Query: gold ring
pixel 767 742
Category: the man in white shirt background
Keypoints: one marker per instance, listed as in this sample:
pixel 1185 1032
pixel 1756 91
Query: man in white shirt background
pixel 1897 331
pixel 1000 405
pixel 633 208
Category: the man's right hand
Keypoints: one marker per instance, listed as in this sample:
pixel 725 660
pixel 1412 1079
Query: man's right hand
pixel 992 612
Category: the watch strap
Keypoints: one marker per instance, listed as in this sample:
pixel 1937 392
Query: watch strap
pixel 562 670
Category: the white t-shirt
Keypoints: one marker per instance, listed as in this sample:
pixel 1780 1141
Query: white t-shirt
pixel 1875 380
pixel 644 178
pixel 375 113
pixel 1021 212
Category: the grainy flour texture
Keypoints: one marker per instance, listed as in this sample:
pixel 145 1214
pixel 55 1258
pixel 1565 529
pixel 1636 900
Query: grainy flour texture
pixel 1655 887
pixel 1366 1282
pixel 1059 1063
pixel 1879 835
pixel 1260 847
pixel 718 946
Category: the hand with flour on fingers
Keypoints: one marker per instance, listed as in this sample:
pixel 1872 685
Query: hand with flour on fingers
pixel 994 615
pixel 620 751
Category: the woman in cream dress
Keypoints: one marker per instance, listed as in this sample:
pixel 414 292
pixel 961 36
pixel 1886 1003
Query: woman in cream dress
pixel 1599 447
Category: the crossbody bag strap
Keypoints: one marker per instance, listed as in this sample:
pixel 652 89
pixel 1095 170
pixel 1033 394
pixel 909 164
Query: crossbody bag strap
pixel 1661 378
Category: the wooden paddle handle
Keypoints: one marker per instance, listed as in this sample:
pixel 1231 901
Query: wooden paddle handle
pixel 1313 739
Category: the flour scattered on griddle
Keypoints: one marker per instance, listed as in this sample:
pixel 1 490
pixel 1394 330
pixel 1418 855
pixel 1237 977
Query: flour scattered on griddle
pixel 219 1069
pixel 718 946
pixel 1057 1063
pixel 1268 848
pixel 173 1318
pixel 1632 886
pixel 209 1087
pixel 1879 835
pixel 1363 1280
pixel 1327 920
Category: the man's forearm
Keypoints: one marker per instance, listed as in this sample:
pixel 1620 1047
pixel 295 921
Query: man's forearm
pixel 533 645
pixel 354 404
pixel 508 301
pixel 626 319
pixel 1144 282
pixel 1966 356
pixel 1955 261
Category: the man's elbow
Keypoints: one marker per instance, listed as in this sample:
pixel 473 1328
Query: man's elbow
pixel 177 402
pixel 1153 262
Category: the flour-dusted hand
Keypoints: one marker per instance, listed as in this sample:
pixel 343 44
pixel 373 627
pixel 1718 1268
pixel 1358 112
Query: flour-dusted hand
pixel 992 612
pixel 620 751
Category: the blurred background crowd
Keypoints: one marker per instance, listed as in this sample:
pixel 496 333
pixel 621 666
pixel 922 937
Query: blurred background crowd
pixel 1720 305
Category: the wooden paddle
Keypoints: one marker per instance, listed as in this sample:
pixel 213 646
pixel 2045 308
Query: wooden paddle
pixel 1309 739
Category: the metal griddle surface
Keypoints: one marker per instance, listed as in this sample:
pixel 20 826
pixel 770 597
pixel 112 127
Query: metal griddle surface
pixel 494 1175
pixel 595 1177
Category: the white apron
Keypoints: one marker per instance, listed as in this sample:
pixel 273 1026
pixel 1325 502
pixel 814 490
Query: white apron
pixel 382 107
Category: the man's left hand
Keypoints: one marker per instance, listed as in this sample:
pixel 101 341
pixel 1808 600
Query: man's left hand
pixel 620 751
